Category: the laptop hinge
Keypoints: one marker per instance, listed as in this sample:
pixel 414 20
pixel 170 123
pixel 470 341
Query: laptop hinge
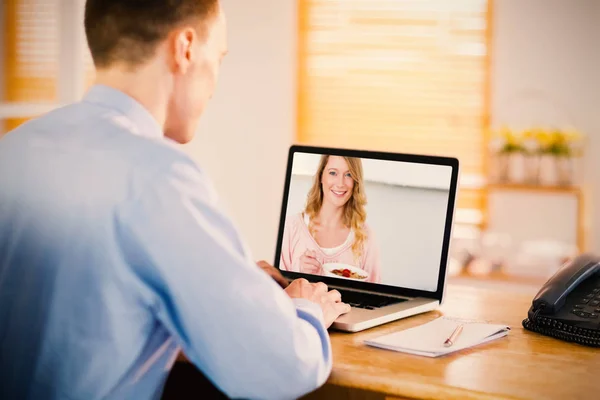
pixel 369 292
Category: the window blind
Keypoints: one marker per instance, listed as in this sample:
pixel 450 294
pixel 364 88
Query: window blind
pixel 31 47
pixel 398 75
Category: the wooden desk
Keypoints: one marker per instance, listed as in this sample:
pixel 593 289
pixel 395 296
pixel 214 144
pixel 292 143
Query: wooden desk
pixel 522 365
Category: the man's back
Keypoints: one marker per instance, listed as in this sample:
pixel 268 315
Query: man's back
pixel 114 254
pixel 72 313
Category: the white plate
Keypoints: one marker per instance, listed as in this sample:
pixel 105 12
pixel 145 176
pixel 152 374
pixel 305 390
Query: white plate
pixel 332 266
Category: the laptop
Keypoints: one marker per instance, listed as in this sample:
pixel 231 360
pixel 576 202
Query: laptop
pixel 376 226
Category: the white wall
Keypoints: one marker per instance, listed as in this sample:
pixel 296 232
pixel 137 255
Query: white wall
pixel 547 44
pixel 546 65
pixel 249 125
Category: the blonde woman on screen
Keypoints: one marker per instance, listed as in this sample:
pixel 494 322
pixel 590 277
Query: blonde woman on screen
pixel 332 227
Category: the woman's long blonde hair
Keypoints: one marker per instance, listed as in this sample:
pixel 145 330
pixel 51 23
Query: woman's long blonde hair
pixel 354 210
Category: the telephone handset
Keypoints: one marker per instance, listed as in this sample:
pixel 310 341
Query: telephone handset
pixel 567 307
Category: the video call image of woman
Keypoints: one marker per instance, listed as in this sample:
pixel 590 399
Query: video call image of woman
pixel 331 236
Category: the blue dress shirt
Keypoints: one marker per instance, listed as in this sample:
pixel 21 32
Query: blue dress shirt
pixel 115 255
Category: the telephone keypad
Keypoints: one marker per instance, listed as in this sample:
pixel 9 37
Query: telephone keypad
pixel 582 308
pixel 584 314
pixel 588 306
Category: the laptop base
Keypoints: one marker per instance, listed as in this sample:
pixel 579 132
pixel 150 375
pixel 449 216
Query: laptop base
pixel 359 319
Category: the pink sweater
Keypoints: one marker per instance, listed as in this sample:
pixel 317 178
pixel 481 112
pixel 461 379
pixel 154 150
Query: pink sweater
pixel 297 239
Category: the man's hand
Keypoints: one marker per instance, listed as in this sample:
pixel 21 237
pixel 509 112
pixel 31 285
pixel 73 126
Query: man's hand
pixel 273 273
pixel 330 302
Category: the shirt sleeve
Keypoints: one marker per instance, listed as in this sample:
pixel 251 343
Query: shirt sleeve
pixel 231 319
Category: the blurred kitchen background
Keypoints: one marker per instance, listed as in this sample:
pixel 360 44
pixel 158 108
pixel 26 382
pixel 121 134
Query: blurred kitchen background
pixel 510 87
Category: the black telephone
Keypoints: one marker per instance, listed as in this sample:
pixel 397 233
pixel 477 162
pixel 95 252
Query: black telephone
pixel 567 307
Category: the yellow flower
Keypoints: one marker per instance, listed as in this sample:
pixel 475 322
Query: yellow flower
pixel 528 134
pixel 538 139
pixel 543 137
pixel 573 136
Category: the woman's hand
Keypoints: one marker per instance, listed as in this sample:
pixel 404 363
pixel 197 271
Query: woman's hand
pixel 309 263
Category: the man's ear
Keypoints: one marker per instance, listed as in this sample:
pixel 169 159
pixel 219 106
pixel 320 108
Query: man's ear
pixel 182 47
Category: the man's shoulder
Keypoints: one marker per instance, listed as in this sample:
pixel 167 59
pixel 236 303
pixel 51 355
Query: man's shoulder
pixel 120 136
pixel 160 162
pixel 108 137
pixel 155 154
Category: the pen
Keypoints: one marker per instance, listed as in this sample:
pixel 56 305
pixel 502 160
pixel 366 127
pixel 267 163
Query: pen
pixel 450 341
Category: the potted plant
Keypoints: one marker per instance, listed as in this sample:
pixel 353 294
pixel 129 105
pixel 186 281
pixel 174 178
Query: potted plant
pixel 508 153
pixel 531 149
pixel 558 150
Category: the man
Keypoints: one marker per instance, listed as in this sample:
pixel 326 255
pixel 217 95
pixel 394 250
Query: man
pixel 114 253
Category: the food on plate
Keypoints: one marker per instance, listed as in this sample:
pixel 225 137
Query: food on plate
pixel 346 273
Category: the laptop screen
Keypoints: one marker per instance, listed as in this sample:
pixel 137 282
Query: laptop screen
pixel 366 220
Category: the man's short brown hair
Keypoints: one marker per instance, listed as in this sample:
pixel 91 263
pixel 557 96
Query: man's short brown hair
pixel 128 31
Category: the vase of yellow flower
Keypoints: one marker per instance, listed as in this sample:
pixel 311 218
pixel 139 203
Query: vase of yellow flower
pixel 517 167
pixel 531 149
pixel 565 167
pixel 557 157
pixel 516 155
pixel 508 162
pixel 548 172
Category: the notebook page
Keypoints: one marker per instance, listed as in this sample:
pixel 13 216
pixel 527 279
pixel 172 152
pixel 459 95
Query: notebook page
pixel 430 337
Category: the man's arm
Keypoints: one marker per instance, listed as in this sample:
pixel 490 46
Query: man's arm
pixel 232 320
pixel 274 273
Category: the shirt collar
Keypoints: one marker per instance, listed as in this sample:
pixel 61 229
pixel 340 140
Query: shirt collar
pixel 119 101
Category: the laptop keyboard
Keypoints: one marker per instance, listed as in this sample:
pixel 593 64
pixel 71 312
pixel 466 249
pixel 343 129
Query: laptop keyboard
pixel 367 300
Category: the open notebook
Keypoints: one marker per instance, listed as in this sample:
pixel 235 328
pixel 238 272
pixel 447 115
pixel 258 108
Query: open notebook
pixel 428 339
